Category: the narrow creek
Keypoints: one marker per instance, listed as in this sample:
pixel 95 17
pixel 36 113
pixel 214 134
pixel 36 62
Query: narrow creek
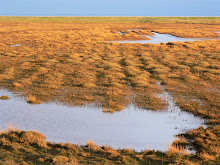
pixel 131 127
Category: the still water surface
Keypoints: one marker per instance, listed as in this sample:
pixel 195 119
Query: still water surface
pixel 158 38
pixel 131 127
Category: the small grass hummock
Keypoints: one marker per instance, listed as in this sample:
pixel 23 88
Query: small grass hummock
pixel 32 100
pixel 4 97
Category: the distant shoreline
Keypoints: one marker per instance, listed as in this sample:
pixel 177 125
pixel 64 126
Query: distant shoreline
pixel 79 15
pixel 113 19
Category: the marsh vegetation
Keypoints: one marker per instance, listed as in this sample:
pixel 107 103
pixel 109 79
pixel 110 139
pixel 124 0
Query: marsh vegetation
pixel 70 61
pixel 4 97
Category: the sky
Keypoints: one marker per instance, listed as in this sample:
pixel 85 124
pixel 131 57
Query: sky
pixel 111 7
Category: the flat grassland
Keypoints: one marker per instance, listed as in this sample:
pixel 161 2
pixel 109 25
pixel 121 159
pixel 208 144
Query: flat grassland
pixel 200 20
pixel 69 60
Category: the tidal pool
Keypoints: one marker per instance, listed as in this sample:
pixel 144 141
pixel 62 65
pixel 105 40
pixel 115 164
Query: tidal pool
pixel 158 38
pixel 131 127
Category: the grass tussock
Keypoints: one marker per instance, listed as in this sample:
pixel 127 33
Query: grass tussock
pixel 4 97
pixel 206 142
pixel 17 84
pixel 32 100
pixel 177 150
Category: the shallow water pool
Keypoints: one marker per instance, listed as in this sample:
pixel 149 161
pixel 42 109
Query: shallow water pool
pixel 131 127
pixel 158 38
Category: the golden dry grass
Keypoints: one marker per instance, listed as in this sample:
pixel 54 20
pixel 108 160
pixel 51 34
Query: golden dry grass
pixel 4 97
pixel 75 64
pixel 20 147
pixel 32 100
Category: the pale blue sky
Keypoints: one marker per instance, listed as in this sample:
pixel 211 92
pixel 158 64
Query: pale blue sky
pixel 111 7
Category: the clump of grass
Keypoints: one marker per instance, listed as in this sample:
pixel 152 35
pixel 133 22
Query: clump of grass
pixel 177 150
pixel 116 84
pixel 32 100
pixel 17 84
pixel 180 140
pixel 4 97
pixel 41 160
pixel 214 71
pixel 89 85
pixel 42 70
pixel 92 146
pixel 207 157
pixel 60 160
pixel 34 138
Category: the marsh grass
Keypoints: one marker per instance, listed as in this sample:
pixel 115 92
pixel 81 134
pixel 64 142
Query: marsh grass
pixel 79 66
pixel 4 97
pixel 17 84
pixel 180 140
pixel 30 147
pixel 202 20
pixel 32 100
pixel 177 150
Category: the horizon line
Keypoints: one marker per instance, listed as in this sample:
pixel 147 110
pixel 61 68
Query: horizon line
pixel 79 15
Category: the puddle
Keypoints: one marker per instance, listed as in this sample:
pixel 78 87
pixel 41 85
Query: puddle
pixel 131 127
pixel 216 31
pixel 158 38
pixel 16 45
pixel 121 33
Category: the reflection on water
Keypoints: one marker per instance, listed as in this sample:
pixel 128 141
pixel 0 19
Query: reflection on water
pixel 158 38
pixel 132 127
